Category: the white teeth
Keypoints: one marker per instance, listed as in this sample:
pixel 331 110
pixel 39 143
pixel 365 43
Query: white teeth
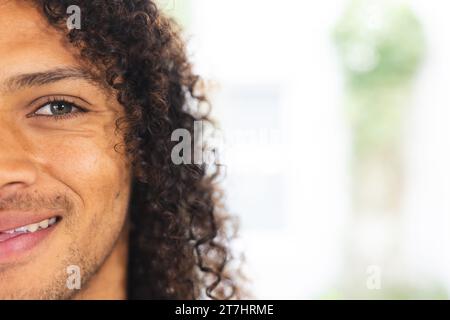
pixel 21 229
pixel 44 224
pixel 33 227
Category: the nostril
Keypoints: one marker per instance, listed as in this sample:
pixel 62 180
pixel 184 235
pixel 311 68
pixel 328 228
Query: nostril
pixel 16 174
pixel 10 188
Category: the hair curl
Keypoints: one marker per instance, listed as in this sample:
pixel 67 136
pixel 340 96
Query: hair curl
pixel 179 239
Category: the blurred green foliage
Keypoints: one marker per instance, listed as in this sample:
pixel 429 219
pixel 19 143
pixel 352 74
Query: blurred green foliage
pixel 381 42
pixel 381 45
pixel 177 9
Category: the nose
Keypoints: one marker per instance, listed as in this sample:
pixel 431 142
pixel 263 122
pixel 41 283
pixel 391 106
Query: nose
pixel 17 170
pixel 15 175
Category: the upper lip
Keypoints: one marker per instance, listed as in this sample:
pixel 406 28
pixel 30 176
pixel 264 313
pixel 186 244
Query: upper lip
pixel 10 220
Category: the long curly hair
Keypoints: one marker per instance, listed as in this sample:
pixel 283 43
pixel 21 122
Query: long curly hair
pixel 179 246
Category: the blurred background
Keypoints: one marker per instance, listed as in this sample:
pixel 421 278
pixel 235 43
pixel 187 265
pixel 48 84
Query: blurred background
pixel 335 116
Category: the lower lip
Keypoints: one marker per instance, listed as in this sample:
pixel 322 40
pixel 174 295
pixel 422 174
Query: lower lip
pixel 12 248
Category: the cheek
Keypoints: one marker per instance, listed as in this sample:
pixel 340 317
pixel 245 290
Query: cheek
pixel 92 171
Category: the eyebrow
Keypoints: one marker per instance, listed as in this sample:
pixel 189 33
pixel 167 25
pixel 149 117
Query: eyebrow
pixel 50 76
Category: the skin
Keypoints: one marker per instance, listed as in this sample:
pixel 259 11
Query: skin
pixel 42 157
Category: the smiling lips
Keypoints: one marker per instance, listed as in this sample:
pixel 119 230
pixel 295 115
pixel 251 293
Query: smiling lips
pixel 22 232
pixel 30 228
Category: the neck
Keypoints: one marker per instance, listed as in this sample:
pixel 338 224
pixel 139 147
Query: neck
pixel 110 282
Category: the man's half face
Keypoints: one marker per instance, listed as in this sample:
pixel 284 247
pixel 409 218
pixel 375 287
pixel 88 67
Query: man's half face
pixel 64 189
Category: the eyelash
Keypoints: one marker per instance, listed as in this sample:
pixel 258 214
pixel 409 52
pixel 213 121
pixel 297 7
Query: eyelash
pixel 53 100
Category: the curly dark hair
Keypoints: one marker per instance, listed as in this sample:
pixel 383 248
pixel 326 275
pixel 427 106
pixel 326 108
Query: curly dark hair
pixel 179 246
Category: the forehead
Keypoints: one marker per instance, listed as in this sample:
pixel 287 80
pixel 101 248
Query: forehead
pixel 27 42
